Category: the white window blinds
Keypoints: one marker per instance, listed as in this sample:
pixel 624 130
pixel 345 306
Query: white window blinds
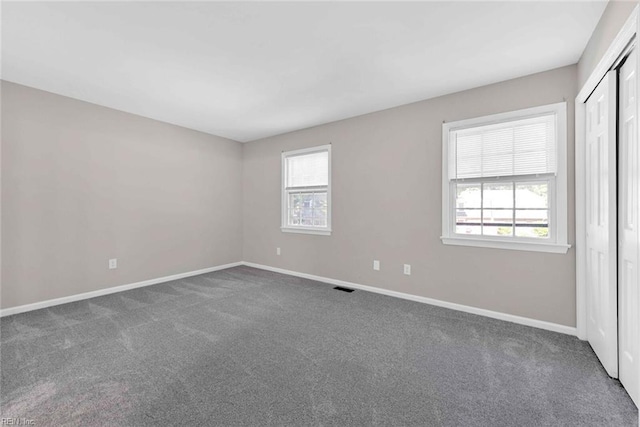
pixel 308 170
pixel 517 147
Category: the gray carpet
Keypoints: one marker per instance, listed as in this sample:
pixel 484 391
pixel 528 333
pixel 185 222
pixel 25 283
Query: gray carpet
pixel 248 347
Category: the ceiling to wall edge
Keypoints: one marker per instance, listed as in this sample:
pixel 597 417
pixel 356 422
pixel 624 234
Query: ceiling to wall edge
pixel 303 128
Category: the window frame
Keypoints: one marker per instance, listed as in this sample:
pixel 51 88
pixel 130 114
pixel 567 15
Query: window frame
pixel 284 207
pixel 557 197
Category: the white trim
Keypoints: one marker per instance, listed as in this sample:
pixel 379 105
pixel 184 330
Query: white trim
pixel 558 241
pixel 325 231
pixel 560 213
pixel 453 306
pixel 617 48
pixel 112 290
pixel 301 230
pixel 501 244
pixel 581 222
pixel 505 116
pixel 446 209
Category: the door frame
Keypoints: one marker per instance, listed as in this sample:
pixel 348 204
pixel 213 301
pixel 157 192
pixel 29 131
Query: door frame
pixel 602 217
pixel 614 54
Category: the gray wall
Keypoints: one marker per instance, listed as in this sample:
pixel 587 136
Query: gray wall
pixel 387 206
pixel 612 20
pixel 83 183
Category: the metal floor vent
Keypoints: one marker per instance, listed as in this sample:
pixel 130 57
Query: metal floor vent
pixel 340 288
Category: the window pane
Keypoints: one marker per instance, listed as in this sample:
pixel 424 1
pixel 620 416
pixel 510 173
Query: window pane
pixel 498 216
pixel 532 195
pixel 497 230
pixel 320 209
pixel 294 217
pixel 538 232
pixel 532 214
pixel 497 213
pixel 307 200
pixel 307 212
pixel 320 200
pixel 497 195
pixel 468 221
pixel 295 201
pixel 308 209
pixel 532 223
pixel 320 213
pixel 468 196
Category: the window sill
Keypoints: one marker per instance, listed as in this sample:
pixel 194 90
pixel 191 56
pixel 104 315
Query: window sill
pixel 557 248
pixel 320 232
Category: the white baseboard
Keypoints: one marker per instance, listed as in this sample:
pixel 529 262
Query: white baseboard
pixel 453 306
pixel 107 291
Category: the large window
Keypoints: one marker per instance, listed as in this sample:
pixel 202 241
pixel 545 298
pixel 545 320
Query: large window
pixel 504 180
pixel 306 190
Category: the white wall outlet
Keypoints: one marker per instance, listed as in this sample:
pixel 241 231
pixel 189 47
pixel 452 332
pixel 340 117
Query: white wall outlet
pixel 113 264
pixel 376 264
pixel 407 269
pixel 277 251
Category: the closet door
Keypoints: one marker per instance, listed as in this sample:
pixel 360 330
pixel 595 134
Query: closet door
pixel 601 242
pixel 628 236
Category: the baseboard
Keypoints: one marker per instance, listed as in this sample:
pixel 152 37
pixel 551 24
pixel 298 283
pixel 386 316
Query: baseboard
pixel 112 290
pixel 453 306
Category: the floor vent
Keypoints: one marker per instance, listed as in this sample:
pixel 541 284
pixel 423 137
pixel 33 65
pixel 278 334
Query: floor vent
pixel 340 288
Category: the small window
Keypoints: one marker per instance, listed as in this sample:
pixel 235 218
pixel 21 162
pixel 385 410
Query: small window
pixel 504 180
pixel 306 190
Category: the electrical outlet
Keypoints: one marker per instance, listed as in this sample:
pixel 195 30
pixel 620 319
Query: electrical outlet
pixel 113 264
pixel 277 251
pixel 376 264
pixel 407 269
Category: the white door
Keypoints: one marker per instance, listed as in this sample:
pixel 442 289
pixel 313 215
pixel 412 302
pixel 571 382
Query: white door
pixel 602 322
pixel 628 236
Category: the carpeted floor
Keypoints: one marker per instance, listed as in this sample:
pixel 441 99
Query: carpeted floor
pixel 248 347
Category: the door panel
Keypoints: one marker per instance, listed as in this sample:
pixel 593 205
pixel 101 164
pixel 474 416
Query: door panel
pixel 602 322
pixel 628 237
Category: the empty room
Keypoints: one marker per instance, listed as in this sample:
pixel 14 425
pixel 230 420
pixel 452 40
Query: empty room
pixel 319 213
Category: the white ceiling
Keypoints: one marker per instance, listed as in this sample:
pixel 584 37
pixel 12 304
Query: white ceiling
pixel 254 69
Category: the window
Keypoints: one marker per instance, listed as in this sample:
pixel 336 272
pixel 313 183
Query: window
pixel 306 190
pixel 505 180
